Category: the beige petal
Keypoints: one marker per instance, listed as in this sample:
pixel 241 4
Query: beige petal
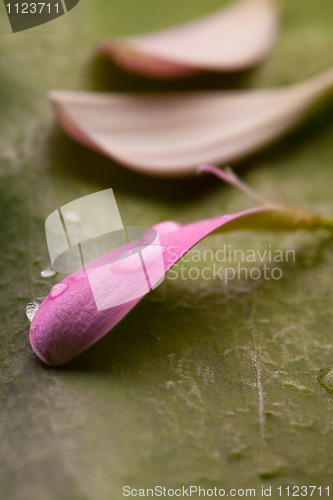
pixel 171 134
pixel 232 39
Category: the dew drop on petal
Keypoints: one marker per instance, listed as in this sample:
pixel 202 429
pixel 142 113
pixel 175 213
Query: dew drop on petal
pixel 48 272
pixel 32 307
pixel 57 290
pixel 166 227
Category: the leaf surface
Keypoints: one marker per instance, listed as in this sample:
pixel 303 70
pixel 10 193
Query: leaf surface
pixel 203 383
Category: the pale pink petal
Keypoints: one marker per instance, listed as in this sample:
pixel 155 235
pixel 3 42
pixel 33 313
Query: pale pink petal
pixel 234 38
pixel 170 134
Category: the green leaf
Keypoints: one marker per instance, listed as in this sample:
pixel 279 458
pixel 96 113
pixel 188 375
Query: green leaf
pixel 204 382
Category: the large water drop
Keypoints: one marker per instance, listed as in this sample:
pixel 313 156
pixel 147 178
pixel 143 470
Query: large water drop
pixel 57 290
pixel 32 307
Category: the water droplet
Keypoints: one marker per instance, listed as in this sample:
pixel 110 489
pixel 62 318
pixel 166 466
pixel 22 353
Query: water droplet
pixel 48 272
pixel 325 378
pixel 167 227
pixel 57 290
pixel 32 307
pixel 72 216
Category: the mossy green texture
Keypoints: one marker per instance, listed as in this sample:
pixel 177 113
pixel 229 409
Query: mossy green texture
pixel 203 383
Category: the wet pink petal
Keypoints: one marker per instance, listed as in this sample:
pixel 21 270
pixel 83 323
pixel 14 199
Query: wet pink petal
pixel 68 322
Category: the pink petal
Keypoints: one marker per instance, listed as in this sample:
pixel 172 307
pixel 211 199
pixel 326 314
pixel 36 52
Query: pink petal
pixel 170 134
pixel 234 38
pixel 68 321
